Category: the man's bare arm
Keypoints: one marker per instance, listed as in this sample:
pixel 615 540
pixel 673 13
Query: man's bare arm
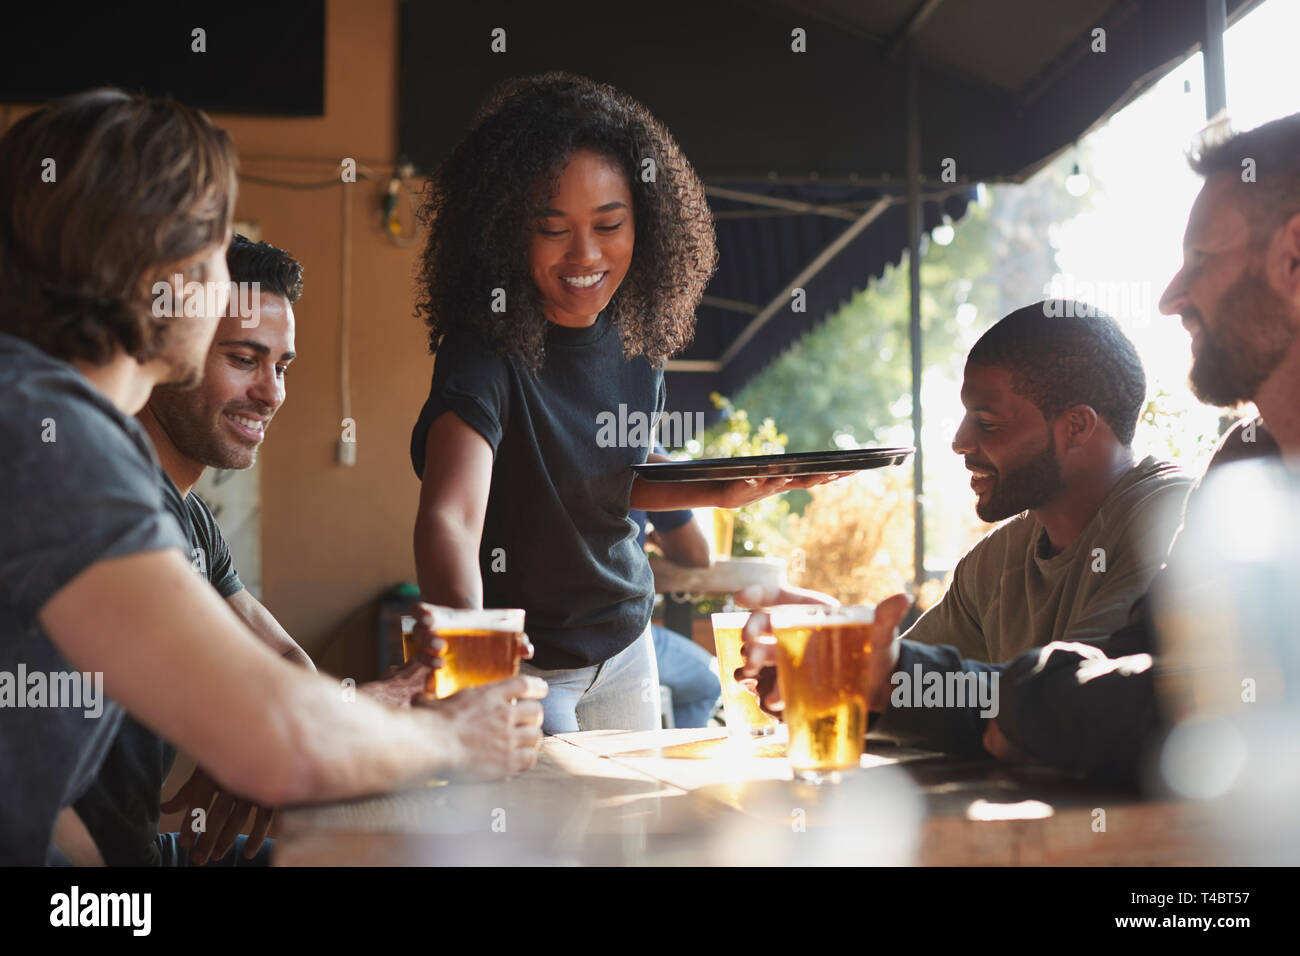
pixel 264 625
pixel 176 656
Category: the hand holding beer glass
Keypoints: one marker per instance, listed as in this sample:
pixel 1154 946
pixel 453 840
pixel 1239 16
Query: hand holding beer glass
pixel 473 646
pixel 826 680
pixel 492 713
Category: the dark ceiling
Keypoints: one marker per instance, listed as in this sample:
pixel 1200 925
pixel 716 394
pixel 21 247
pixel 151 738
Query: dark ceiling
pixel 1003 87
pixel 1004 84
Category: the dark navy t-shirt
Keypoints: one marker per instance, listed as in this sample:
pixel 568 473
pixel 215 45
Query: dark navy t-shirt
pixel 557 539
pixel 121 808
pixel 662 520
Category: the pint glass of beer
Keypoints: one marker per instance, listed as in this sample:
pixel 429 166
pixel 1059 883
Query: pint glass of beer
pixel 744 716
pixel 482 646
pixel 821 660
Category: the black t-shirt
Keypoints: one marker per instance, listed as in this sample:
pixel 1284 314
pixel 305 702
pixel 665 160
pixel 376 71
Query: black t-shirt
pixel 78 485
pixel 557 540
pixel 121 807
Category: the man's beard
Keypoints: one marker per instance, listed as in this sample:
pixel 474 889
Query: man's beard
pixel 184 422
pixel 1253 336
pixel 1031 485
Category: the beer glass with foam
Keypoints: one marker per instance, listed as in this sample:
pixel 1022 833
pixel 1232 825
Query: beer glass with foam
pixel 822 656
pixel 482 646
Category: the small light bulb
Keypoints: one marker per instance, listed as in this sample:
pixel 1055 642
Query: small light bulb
pixel 1076 184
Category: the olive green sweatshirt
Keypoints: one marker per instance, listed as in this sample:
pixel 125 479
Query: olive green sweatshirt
pixel 1006 596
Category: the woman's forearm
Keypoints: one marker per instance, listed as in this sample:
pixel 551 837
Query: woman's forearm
pixel 723 493
pixel 674 495
pixel 446 563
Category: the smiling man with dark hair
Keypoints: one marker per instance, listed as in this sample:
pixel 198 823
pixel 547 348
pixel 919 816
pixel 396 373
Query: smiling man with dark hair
pixel 1052 395
pixel 222 423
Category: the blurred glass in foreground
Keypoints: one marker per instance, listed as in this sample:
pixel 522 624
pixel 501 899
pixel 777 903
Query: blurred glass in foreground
pixel 1229 621
pixel 873 818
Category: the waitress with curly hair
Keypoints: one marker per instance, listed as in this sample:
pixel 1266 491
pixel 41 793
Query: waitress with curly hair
pixel 569 244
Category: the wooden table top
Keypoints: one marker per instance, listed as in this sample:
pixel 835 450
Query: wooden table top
pixel 694 797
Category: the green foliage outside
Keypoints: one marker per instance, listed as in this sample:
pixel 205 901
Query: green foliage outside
pixel 848 382
pixel 759 527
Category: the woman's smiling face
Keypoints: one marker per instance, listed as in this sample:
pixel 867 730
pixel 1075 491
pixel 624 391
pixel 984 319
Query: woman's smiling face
pixel 580 247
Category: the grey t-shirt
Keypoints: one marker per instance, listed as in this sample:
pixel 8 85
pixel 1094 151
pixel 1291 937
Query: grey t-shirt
pixel 121 808
pixel 78 485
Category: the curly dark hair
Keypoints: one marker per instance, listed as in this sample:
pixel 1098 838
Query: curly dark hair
pixel 1061 353
pixel 136 186
pixel 480 204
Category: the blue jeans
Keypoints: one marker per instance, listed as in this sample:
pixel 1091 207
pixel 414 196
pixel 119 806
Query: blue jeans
pixel 173 855
pixel 691 673
pixel 621 693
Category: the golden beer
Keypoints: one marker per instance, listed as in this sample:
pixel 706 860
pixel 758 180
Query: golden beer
pixel 410 646
pixel 474 656
pixel 724 531
pixel 822 656
pixel 482 647
pixel 744 716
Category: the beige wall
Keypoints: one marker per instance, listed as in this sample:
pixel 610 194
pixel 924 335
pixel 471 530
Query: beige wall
pixel 334 538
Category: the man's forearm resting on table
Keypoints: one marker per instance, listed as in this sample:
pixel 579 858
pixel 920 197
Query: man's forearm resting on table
pixel 1088 708
pixel 378 749
pixel 954 729
pixel 1084 708
pixel 263 623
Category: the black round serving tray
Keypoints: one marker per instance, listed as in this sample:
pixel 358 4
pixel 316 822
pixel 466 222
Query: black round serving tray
pixel 774 466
